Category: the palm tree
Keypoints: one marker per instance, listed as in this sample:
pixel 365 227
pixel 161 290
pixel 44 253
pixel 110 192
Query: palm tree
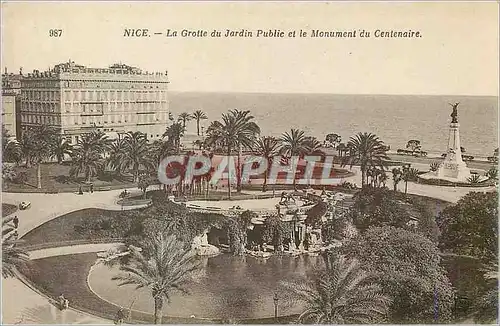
pixel 159 149
pixel 135 155
pixel 367 150
pixel 88 154
pixel 266 147
pixel 236 130
pixel 174 133
pixel 341 149
pixel 163 266
pixel 294 143
pixel 184 117
pixel 12 256
pixel 59 148
pixel 11 151
pixel 396 177
pixel 42 138
pixel 115 153
pixel 492 173
pixel 198 115
pixel 382 177
pixel 341 294
pixel 27 146
pixel 314 146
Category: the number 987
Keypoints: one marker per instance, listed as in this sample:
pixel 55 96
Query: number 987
pixel 55 32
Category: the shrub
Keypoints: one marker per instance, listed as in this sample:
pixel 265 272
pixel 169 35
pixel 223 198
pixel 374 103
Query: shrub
pixel 473 179
pixel 21 177
pixel 435 166
pixel 492 173
pixel 408 267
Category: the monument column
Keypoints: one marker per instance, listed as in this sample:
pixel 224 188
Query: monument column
pixel 453 167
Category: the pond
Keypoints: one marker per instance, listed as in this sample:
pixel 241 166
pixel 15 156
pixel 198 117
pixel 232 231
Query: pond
pixel 226 287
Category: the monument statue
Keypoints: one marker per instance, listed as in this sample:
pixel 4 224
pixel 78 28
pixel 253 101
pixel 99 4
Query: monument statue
pixel 454 113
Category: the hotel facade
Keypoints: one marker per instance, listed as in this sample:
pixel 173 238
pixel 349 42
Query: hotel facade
pixel 11 102
pixel 76 100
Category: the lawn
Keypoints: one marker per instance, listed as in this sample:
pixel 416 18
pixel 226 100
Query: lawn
pixel 55 178
pixel 477 165
pixel 8 209
pixel 62 228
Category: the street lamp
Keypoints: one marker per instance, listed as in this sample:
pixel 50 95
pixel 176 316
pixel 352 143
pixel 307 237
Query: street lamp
pixel 275 299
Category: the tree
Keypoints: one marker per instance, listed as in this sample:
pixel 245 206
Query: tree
pixel 382 207
pixel 314 146
pixel 198 115
pixel 116 152
pixel 294 143
pixel 485 309
pixel 184 117
pixel 341 149
pixel 144 181
pixel 11 151
pixel 343 293
pixel 59 148
pixel 409 174
pixel 88 154
pixel 165 265
pixel 135 155
pixel 367 150
pixel 39 142
pixel 266 147
pixel 434 166
pixel 236 130
pixel 492 173
pixel 413 145
pixel 174 133
pixel 333 139
pixel 397 176
pixel 408 267
pixel 12 256
pixel 470 227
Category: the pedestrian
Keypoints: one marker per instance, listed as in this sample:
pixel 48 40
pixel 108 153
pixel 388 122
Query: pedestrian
pixel 120 316
pixel 91 188
pixel 80 190
pixel 62 301
pixel 16 222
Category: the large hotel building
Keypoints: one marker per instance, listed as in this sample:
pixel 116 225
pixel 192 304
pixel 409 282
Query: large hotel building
pixel 76 100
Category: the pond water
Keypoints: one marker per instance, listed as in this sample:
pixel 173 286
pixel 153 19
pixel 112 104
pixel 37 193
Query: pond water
pixel 226 287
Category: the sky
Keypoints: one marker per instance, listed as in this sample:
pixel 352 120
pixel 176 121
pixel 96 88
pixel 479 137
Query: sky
pixel 456 55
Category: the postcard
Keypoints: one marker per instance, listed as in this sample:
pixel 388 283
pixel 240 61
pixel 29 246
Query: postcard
pixel 250 162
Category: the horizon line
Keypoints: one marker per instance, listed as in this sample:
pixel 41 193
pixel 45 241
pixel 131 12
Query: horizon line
pixel 327 93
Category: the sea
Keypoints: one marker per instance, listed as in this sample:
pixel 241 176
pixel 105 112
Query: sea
pixel 395 119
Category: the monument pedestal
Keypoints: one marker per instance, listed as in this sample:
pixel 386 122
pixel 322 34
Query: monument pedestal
pixel 453 168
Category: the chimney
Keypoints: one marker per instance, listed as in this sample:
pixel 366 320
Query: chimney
pixel 5 70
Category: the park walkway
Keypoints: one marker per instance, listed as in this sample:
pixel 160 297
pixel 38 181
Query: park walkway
pixel 20 303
